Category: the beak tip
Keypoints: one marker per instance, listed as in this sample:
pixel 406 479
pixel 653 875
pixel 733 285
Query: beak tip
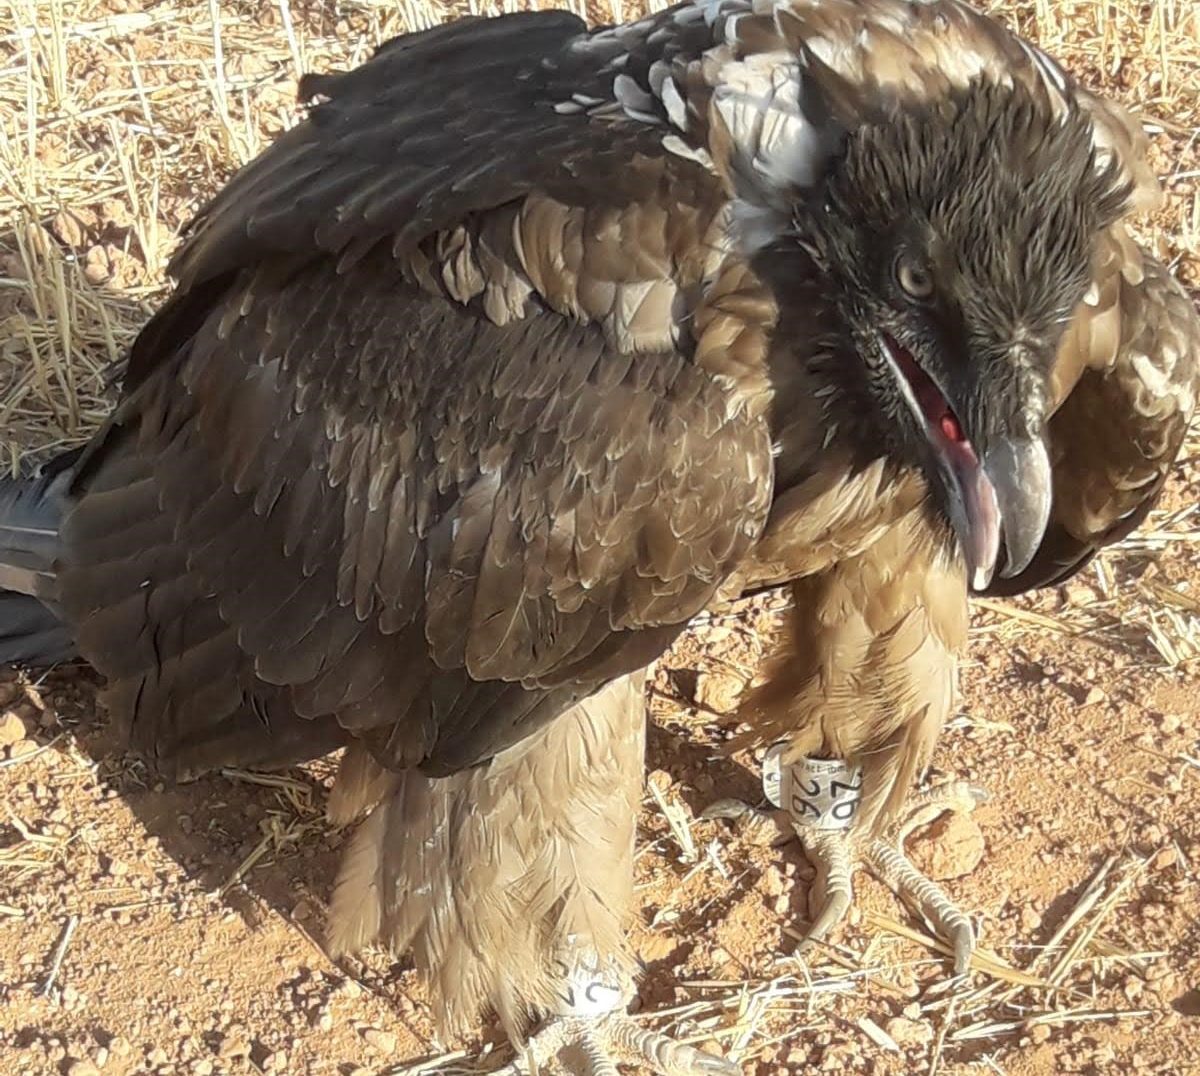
pixel 980 578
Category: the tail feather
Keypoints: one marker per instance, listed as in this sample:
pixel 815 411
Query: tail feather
pixel 31 511
pixel 31 632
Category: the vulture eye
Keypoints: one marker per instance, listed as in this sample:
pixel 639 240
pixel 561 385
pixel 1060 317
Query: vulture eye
pixel 914 279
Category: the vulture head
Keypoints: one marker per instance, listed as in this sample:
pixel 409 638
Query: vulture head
pixel 958 236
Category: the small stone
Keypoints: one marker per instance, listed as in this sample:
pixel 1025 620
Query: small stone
pixel 383 1042
pixel 773 883
pixel 97 268
pixel 202 1067
pixel 302 910
pixel 952 847
pixel 654 947
pixel 1165 985
pixel 718 692
pixel 82 1068
pixel 22 748
pixel 908 1032
pixel 70 228
pixel 1094 696
pixel 233 1046
pixel 12 728
pixel 1030 919
pixel 1153 834
pixel 157 1056
pixel 1170 723
pixel 1040 1033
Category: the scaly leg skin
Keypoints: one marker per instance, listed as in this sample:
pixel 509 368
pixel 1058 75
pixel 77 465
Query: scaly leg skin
pixel 835 852
pixel 589 1034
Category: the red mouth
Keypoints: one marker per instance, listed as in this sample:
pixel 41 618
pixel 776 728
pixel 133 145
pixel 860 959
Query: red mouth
pixel 979 524
pixel 939 415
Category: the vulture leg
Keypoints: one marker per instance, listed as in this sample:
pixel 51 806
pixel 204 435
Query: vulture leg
pixel 860 689
pixel 511 883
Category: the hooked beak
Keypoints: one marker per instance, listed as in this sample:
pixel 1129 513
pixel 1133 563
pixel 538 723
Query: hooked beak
pixel 1007 493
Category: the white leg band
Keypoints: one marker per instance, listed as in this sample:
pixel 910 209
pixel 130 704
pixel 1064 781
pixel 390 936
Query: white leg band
pixel 587 989
pixel 818 793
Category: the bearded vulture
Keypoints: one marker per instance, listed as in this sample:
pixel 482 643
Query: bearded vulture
pixel 533 341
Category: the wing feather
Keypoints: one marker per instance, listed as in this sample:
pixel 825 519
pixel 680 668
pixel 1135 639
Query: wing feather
pixel 1130 371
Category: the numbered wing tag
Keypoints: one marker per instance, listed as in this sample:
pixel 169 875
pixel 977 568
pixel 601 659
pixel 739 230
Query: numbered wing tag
pixel 819 793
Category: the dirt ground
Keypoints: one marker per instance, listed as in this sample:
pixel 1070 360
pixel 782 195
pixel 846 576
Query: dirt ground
pixel 178 930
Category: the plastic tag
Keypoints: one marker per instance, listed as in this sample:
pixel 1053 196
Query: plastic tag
pixel 819 793
pixel 587 991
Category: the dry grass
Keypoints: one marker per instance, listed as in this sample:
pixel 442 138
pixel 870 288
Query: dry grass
pixel 117 123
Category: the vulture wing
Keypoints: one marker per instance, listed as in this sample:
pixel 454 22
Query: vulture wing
pixel 1129 371
pixel 413 454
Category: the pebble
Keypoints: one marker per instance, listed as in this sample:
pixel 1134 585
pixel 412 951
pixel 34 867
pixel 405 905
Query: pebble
pixel 773 881
pixel 718 692
pixel 82 1068
pixel 1031 919
pixel 303 910
pixel 233 1046
pixel 12 728
pixel 382 1041
pixel 22 748
pixel 952 847
pixel 908 1032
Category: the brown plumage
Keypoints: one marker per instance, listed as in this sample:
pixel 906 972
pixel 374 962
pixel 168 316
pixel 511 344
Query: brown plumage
pixel 531 343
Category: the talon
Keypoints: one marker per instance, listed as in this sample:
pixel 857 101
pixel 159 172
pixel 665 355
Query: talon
pixel 601 1042
pixel 732 810
pixel 832 889
pixel 928 899
pixel 770 828
pixel 979 794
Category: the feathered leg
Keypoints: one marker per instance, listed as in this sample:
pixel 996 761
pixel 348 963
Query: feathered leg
pixel 511 884
pixel 863 685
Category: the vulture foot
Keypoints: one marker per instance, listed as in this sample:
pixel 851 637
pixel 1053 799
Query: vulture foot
pixel 835 852
pixel 595 1045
